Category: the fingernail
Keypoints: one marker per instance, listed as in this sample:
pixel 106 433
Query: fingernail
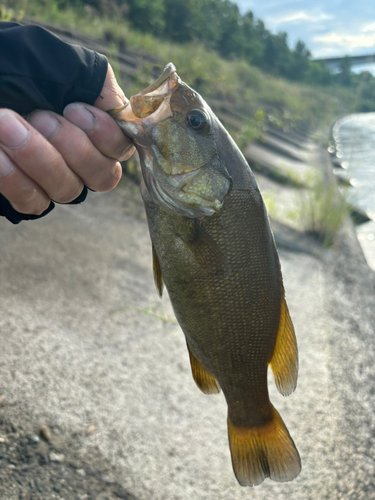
pixel 13 133
pixel 128 151
pixel 6 166
pixel 44 123
pixel 80 116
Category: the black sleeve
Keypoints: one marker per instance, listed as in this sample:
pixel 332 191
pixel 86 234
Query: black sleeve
pixel 40 71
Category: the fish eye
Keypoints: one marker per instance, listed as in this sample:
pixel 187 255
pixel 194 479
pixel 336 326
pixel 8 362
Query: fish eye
pixel 197 119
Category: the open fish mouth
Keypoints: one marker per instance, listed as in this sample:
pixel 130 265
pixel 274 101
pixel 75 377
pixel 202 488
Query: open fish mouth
pixel 148 100
pixel 168 71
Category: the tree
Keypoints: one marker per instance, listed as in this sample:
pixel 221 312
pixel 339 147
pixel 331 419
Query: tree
pixel 230 43
pixel 147 15
pixel 300 61
pixel 253 45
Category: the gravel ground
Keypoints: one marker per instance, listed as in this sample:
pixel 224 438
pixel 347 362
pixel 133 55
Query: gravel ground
pixel 90 352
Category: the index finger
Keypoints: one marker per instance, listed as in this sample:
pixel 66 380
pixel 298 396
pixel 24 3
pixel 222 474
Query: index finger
pixel 101 129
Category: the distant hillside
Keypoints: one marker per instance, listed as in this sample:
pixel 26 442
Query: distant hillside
pixel 244 96
pixel 221 27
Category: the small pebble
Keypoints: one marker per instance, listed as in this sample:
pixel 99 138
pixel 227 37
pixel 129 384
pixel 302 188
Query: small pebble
pixel 45 433
pixel 121 493
pixel 81 472
pixel 24 495
pixel 107 479
pixel 39 484
pixel 2 400
pixel 33 439
pixel 56 457
pixel 3 439
pixel 90 430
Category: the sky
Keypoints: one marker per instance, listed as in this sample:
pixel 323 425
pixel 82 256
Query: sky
pixel 329 28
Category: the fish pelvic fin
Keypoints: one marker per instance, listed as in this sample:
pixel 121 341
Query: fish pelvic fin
pixel 261 452
pixel 206 382
pixel 284 361
pixel 158 277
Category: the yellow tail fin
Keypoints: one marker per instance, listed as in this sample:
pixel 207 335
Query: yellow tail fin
pixel 260 452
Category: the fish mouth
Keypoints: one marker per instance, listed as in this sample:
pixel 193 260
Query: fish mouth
pixel 148 101
pixel 151 99
pixel 168 71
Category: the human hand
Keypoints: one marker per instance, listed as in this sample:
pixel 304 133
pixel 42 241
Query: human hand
pixel 49 157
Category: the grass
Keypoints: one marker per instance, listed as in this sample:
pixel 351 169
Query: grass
pixel 247 89
pixel 321 210
pixel 154 311
pixel 317 209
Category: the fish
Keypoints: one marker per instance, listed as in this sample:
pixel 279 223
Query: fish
pixel 213 249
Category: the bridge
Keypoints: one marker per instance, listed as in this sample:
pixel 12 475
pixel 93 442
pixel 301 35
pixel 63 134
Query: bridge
pixel 334 63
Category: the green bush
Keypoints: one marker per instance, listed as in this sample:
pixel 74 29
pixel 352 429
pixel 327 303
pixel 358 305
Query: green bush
pixel 322 210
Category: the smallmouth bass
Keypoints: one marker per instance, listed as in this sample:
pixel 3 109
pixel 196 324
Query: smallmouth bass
pixel 213 248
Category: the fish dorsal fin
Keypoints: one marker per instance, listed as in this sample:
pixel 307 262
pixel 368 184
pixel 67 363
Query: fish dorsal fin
pixel 284 362
pixel 206 382
pixel 158 277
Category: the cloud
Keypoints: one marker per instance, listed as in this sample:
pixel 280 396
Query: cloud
pixel 365 38
pixel 368 27
pixel 299 17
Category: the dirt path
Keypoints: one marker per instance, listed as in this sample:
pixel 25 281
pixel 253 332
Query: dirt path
pixel 88 350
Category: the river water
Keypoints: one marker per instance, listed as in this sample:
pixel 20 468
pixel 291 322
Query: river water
pixel 355 142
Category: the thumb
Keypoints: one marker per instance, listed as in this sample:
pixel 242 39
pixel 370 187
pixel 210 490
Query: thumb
pixel 111 95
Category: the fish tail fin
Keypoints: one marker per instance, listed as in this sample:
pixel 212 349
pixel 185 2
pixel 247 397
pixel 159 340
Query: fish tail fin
pixel 260 452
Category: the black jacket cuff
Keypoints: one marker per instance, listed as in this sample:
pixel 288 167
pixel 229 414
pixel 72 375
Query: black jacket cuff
pixel 15 217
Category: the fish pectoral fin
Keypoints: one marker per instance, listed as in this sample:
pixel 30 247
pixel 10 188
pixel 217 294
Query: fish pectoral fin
pixel 206 250
pixel 284 362
pixel 158 277
pixel 206 382
pixel 265 451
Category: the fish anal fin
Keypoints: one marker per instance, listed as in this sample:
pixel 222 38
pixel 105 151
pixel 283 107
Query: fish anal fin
pixel 284 361
pixel 158 277
pixel 206 382
pixel 261 452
